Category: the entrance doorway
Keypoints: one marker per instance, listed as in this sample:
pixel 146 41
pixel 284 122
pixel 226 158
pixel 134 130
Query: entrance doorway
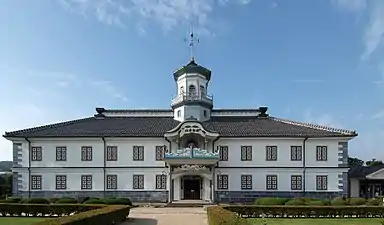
pixel 191 187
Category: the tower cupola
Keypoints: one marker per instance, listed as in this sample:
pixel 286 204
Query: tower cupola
pixel 191 100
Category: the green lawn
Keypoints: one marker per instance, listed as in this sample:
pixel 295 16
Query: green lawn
pixel 365 221
pixel 19 220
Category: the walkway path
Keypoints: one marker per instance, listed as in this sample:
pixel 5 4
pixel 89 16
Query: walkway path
pixel 167 216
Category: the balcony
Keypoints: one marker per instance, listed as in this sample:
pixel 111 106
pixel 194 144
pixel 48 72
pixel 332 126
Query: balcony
pixel 191 156
pixel 188 98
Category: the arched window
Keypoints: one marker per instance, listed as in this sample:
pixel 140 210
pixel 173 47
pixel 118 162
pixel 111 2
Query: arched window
pixel 202 90
pixel 181 89
pixel 192 90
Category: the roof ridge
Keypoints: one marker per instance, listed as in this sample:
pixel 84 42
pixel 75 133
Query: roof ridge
pixel 39 128
pixel 315 126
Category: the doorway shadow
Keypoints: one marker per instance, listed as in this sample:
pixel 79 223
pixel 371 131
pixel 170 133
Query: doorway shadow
pixel 140 221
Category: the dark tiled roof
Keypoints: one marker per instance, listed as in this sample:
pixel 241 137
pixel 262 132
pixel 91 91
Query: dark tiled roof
pixel 156 127
pixel 363 171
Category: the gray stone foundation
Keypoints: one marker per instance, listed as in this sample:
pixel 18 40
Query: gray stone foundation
pixel 250 196
pixel 134 196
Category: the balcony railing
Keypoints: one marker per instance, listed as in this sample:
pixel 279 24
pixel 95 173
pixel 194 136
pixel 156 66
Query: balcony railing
pixel 188 97
pixel 188 153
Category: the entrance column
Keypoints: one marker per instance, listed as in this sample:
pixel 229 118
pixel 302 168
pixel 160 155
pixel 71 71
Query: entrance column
pixel 170 193
pixel 213 179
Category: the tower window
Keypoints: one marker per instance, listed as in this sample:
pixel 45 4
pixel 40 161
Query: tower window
pixel 205 113
pixel 202 90
pixel 178 113
pixel 192 90
pixel 181 89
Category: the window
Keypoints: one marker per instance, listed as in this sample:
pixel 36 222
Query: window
pixel 86 153
pixel 246 181
pixel 322 182
pixel 111 181
pixel 138 181
pixel 192 90
pixel 86 182
pixel 321 153
pixel 161 181
pixel 37 154
pixel 202 90
pixel 61 153
pixel 246 153
pixel 36 182
pixel 222 182
pixel 160 153
pixel 205 113
pixel 178 113
pixel 271 153
pixel 182 90
pixel 296 182
pixel 271 182
pixel 296 153
pixel 223 153
pixel 138 153
pixel 111 153
pixel 61 182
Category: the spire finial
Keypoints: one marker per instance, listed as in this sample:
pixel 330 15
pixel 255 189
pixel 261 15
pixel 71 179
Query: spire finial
pixel 192 42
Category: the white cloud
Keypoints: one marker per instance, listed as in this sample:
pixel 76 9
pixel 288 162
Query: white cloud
pixel 166 13
pixel 39 97
pixel 350 5
pixel 379 115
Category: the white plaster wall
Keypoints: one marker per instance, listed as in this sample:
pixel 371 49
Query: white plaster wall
pixel 283 178
pixel 354 187
pixel 124 178
pixel 283 152
pixel 124 158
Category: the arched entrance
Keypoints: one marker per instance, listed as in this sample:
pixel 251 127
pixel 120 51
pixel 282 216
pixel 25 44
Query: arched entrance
pixel 191 186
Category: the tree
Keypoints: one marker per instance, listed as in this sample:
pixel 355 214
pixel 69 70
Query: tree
pixel 355 161
pixel 374 162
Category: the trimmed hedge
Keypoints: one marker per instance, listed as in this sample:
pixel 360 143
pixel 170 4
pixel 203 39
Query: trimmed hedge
pixel 106 216
pixel 308 211
pixel 218 215
pixel 17 209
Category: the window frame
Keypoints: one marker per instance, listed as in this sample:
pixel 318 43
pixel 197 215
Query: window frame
pixel 296 153
pixel 321 153
pixel 111 182
pixel 138 182
pixel 61 151
pixel 87 185
pixel 246 151
pixel 38 179
pixel 320 185
pixel 270 151
pixel 88 156
pixel 36 153
pixel 112 153
pixel 138 150
pixel 223 153
pixel 61 186
pixel 222 182
pixel 247 178
pixel 161 181
pixel 270 185
pixel 296 186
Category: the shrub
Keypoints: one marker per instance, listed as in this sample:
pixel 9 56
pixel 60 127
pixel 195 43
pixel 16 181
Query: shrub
pixel 308 211
pixel 118 201
pixel 271 201
pixel 17 209
pixel 374 201
pixel 356 201
pixel 11 200
pixel 296 201
pixel 94 201
pixel 106 215
pixel 217 215
pixel 53 200
pixel 36 201
pixel 338 201
pixel 316 203
pixel 66 200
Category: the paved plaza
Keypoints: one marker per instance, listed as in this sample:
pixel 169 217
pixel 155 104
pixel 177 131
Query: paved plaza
pixel 167 216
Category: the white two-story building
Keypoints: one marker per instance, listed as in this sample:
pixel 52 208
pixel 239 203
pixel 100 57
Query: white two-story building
pixel 191 151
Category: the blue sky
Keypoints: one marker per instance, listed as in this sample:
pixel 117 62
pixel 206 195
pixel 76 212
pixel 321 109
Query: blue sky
pixel 315 61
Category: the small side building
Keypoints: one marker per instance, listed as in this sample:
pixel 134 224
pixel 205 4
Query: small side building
pixel 366 181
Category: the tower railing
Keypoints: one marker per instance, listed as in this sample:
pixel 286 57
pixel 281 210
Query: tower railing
pixel 192 97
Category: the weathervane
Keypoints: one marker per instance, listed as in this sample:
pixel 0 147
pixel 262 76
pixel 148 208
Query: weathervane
pixel 192 42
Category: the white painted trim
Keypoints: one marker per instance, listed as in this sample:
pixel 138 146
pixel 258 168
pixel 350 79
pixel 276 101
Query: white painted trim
pixel 372 175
